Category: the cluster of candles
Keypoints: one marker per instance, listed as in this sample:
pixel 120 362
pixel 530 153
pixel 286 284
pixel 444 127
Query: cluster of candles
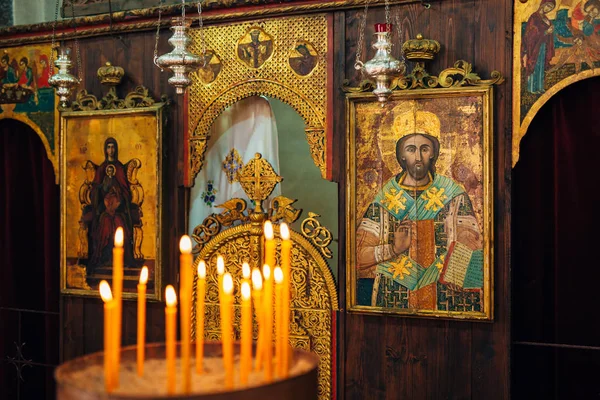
pixel 270 294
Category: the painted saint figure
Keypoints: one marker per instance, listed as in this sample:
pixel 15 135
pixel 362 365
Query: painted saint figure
pixel 7 72
pixel 419 238
pixel 255 48
pixel 538 46
pixel 302 61
pixel 111 207
pixel 25 73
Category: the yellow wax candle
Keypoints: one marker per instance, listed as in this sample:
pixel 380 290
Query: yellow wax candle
pixel 278 275
pixel 245 273
pixel 227 328
pixel 246 345
pixel 141 321
pixel 286 252
pixel 117 285
pixel 268 324
pixel 185 297
pixel 269 244
pixel 109 310
pixel 257 285
pixel 170 333
pixel 200 294
pixel 220 272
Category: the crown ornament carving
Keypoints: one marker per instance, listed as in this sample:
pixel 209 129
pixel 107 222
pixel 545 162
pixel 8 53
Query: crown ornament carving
pixel 420 49
pixel 110 75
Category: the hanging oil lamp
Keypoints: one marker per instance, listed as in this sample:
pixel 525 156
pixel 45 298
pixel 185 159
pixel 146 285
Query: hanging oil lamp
pixel 63 82
pixel 180 61
pixel 383 68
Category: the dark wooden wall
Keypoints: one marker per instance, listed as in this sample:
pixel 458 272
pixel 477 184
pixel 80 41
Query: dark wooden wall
pixel 413 358
pixel 378 357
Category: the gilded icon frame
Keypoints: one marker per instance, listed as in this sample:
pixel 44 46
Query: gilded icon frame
pixel 142 166
pixel 420 99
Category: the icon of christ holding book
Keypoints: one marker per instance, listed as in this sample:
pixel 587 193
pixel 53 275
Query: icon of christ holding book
pixel 419 238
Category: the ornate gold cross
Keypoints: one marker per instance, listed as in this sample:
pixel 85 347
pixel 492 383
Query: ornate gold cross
pixel 258 179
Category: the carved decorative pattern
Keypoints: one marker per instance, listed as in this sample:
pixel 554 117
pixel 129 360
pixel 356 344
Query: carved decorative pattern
pixel 85 101
pixel 274 78
pixel 313 293
pixel 461 74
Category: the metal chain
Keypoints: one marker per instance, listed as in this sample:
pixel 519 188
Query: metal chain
pixel 358 64
pixel 78 54
pixel 399 34
pixel 387 15
pixel 202 43
pixel 53 39
pixel 182 12
pixel 155 58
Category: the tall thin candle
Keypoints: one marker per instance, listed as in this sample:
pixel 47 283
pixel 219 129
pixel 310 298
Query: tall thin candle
pixel 170 333
pixel 141 321
pixel 117 285
pixel 220 272
pixel 286 252
pixel 109 310
pixel 200 294
pixel 227 328
pixel 185 296
pixel 269 244
pixel 268 323
pixel 257 286
pixel 278 275
pixel 246 344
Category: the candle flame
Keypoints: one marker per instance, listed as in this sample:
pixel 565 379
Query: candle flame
pixel 245 270
pixel 105 292
pixel 201 269
pixel 119 237
pixel 269 230
pixel 256 279
pixel 278 274
pixel 185 244
pixel 245 290
pixel 220 265
pixel 170 296
pixel 144 275
pixel 266 271
pixel 285 231
pixel 227 283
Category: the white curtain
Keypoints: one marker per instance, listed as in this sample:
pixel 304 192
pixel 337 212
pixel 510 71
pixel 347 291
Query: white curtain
pixel 247 127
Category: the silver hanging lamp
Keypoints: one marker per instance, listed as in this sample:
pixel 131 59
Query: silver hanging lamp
pixel 180 61
pixel 383 68
pixel 63 81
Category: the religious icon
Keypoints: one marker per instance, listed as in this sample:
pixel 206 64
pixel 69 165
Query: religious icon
pixel 209 72
pixel 111 179
pixel 255 47
pixel 303 58
pixel 112 205
pixel 421 228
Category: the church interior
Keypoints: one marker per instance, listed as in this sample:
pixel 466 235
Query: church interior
pixel 298 199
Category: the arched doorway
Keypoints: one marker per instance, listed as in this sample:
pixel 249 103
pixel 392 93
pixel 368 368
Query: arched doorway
pixel 555 274
pixel 29 265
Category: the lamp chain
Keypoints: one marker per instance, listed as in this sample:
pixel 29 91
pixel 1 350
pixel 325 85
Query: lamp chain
pixel 358 64
pixel 53 39
pixel 202 43
pixel 157 35
pixel 78 55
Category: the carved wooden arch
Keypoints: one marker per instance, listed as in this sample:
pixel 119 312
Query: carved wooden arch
pixel 21 117
pixel 314 295
pixel 519 133
pixel 315 131
pixel 231 80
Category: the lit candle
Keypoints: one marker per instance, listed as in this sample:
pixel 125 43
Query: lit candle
pixel 227 328
pixel 141 321
pixel 269 244
pixel 268 324
pixel 170 333
pixel 257 285
pixel 286 251
pixel 246 345
pixel 109 310
pixel 117 285
pixel 278 275
pixel 200 294
pixel 185 297
pixel 246 272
